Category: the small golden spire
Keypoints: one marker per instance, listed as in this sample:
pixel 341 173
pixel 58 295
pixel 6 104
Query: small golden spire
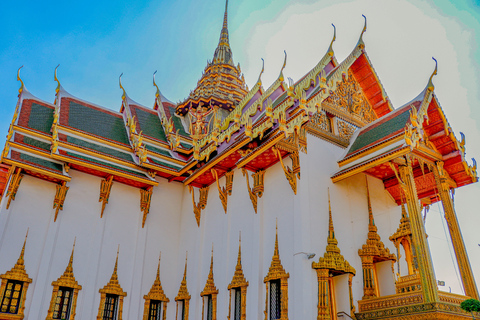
pixel 124 94
pixel 21 261
pixel 22 86
pixel 239 258
pixel 114 274
pixel 69 268
pixel 371 222
pixel 331 231
pixel 330 49
pixel 158 267
pixel 430 85
pixel 275 251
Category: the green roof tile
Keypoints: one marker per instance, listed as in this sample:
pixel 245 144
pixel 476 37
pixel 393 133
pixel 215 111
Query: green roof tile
pixel 177 123
pixel 41 118
pixel 164 164
pixel 36 143
pixel 135 173
pixel 150 124
pixel 41 162
pixel 96 147
pixel 380 131
pixel 157 150
pixel 99 123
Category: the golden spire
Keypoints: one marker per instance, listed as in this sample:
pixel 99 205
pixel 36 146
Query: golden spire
pixel 114 278
pixel 113 286
pixel 223 53
pixel 156 292
pixel 430 85
pixel 67 279
pixel 69 269
pixel 183 290
pixel 371 222
pixel 22 86
pixel 331 231
pixel 210 285
pixel 238 277
pixel 276 270
pixel 21 262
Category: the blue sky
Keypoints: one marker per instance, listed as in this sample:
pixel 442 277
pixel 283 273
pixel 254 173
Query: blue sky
pixel 95 41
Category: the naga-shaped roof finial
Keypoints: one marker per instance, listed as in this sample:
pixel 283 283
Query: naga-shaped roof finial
pixel 430 85
pixel 330 49
pixel 157 94
pixel 124 94
pixel 56 79
pixel 22 86
pixel 283 67
pixel 261 72
pixel 360 41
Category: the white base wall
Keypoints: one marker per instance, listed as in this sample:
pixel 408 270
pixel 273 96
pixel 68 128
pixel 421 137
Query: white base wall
pixel 172 229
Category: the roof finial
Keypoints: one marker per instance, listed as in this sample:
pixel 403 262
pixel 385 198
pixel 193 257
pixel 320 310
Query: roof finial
pixel 283 67
pixel 56 79
pixel 360 41
pixel 225 24
pixel 330 49
pixel 114 275
pixel 157 94
pixel 21 260
pixel 158 268
pixel 124 95
pixel 261 72
pixel 430 85
pixel 19 79
pixel 275 251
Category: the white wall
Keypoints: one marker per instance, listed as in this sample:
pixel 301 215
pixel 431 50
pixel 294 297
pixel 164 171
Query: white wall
pixel 171 228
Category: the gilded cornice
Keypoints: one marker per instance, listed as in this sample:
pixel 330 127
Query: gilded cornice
pixel 210 284
pixel 238 279
pixel 18 271
pixel 276 270
pixel 67 279
pixel 332 259
pixel 113 286
pixel 156 292
pixel 374 246
pixel 183 290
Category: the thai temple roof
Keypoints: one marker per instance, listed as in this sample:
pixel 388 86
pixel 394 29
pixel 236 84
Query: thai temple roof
pixel 223 125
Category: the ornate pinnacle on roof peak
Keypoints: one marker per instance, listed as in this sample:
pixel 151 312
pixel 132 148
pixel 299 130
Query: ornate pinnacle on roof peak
pixel 360 40
pixel 56 79
pixel 114 274
pixel 69 269
pixel 21 261
pixel 330 49
pixel 22 86
pixel 430 85
pixel 223 53
pixel 124 94
pixel 371 221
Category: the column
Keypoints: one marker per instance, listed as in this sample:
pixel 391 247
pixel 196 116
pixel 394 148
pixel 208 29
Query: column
pixel 424 258
pixel 323 295
pixel 464 266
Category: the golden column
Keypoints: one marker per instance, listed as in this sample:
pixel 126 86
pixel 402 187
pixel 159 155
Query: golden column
pixel 441 177
pixel 424 259
pixel 323 295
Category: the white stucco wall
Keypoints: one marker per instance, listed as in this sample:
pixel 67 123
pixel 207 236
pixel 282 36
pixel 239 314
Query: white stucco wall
pixel 172 229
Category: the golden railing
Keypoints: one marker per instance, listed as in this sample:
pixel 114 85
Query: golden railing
pixel 409 283
pixel 390 301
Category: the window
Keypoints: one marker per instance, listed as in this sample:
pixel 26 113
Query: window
pixel 63 302
pixel 181 310
pixel 208 307
pixel 110 307
pixel 237 304
pixel 275 309
pixel 155 310
pixel 11 298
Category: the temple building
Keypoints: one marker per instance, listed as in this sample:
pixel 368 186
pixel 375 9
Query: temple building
pixel 289 200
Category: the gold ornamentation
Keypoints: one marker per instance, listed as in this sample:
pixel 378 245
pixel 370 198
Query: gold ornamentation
pixel 59 200
pixel 348 97
pixel 345 129
pixel 277 272
pixel 403 236
pixel 210 289
pixel 226 191
pixel 17 273
pixel 370 253
pixel 293 173
pixel 332 263
pixel 15 179
pixel 468 281
pixel 321 121
pixel 239 283
pixel 258 186
pixel 145 200
pixel 105 188
pixel 183 296
pixel 112 287
pixel 202 203
pixel 67 279
pixel 156 293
